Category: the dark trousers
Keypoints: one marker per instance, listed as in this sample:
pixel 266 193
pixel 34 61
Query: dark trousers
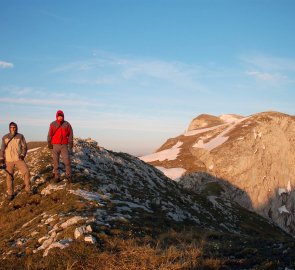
pixel 61 150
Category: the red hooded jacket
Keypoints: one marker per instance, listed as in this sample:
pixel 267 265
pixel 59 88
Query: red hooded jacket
pixel 60 132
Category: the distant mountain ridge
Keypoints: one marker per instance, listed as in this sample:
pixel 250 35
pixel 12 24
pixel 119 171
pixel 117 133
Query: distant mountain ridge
pixel 255 153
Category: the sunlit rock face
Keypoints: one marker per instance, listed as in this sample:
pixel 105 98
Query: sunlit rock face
pixel 255 154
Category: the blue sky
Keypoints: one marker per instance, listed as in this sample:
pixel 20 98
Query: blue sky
pixel 132 73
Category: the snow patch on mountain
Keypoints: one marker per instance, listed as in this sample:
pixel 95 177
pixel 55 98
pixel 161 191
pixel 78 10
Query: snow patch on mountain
pixel 283 209
pixel 229 118
pixel 203 130
pixel 167 154
pixel 172 173
pixel 218 140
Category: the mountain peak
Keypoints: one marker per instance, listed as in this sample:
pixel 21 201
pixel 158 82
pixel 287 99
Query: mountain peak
pixel 254 153
pixel 204 121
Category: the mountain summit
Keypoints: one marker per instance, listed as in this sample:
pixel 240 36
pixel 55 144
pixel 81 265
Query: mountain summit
pixel 206 120
pixel 255 154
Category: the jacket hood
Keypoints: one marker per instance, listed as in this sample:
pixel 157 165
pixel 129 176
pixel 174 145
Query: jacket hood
pixel 60 112
pixel 13 124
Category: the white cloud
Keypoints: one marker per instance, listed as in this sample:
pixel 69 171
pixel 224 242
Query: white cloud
pixel 270 63
pixel 42 102
pixel 267 77
pixel 4 64
pixel 113 69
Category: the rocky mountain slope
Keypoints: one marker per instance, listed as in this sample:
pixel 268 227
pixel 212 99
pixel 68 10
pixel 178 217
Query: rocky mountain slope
pixel 255 154
pixel 121 213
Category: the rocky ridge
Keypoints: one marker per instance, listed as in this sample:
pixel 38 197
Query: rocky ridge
pixel 114 195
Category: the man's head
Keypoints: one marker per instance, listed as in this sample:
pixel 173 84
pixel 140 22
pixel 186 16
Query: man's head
pixel 60 116
pixel 12 128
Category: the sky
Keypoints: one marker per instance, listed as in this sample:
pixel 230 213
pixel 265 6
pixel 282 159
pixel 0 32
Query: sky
pixel 133 73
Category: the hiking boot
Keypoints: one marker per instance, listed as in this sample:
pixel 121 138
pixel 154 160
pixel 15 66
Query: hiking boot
pixel 69 178
pixel 56 178
pixel 29 193
pixel 10 198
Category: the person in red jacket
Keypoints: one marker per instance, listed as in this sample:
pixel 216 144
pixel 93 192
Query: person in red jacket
pixel 60 140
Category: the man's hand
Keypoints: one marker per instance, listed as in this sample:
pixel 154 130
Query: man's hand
pixel 2 164
pixel 50 146
pixel 70 147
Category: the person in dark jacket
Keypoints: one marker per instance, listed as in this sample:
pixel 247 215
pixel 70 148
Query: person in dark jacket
pixel 60 140
pixel 12 154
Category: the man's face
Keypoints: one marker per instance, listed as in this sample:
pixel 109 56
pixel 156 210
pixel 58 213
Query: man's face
pixel 60 118
pixel 12 129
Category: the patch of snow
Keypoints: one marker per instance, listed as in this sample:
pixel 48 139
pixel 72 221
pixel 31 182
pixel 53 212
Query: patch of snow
pixel 172 173
pixel 228 118
pixel 281 191
pixel 218 140
pixel 283 209
pixel 203 130
pixel 211 144
pixel 169 154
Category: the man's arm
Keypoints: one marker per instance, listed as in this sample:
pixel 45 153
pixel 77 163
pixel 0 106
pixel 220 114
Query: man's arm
pixel 24 147
pixel 49 137
pixel 71 137
pixel 2 151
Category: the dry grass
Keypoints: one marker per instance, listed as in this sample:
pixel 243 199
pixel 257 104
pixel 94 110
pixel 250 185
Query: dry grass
pixel 32 145
pixel 134 254
pixel 121 254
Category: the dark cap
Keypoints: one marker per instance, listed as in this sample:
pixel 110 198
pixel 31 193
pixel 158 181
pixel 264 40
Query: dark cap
pixel 12 124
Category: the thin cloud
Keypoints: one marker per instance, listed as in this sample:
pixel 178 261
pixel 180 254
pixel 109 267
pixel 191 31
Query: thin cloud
pixel 5 65
pixel 108 69
pixel 38 102
pixel 267 77
pixel 270 63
